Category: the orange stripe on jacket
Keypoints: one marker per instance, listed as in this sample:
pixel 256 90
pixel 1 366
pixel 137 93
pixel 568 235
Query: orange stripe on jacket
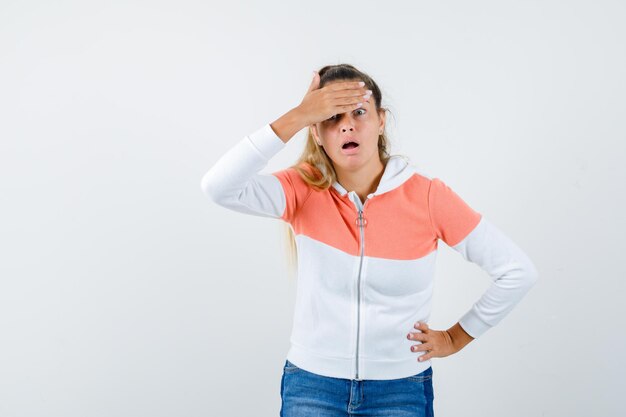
pixel 406 222
pixel 453 219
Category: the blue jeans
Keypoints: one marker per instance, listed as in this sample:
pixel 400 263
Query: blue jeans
pixel 306 394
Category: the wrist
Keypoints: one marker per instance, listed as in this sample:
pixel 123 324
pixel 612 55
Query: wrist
pixel 289 124
pixel 460 338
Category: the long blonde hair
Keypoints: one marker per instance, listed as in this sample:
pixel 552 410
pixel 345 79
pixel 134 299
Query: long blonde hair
pixel 314 165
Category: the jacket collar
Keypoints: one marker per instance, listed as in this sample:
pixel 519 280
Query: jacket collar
pixel 397 170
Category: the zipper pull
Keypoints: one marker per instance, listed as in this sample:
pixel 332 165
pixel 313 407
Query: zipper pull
pixel 361 221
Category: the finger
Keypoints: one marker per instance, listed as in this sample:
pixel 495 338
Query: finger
pixel 348 85
pixel 349 96
pixel 349 101
pixel 425 356
pixel 421 348
pixel 344 109
pixel 417 336
pixel 421 326
pixel 315 82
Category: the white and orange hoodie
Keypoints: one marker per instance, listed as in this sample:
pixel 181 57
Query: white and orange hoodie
pixel 365 270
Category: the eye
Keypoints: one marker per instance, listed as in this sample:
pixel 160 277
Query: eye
pixel 334 117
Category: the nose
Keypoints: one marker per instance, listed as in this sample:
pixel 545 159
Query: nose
pixel 347 126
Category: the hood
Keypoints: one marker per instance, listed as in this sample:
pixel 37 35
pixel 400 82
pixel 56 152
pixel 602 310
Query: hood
pixel 397 170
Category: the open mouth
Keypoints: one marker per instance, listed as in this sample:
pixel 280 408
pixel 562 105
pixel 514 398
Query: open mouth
pixel 350 145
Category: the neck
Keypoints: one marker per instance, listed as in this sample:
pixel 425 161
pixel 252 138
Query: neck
pixel 363 180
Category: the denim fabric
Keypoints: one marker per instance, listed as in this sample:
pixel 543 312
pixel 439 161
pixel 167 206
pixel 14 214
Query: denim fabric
pixel 306 394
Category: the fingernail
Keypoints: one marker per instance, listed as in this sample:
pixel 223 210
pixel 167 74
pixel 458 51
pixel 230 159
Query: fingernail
pixel 361 83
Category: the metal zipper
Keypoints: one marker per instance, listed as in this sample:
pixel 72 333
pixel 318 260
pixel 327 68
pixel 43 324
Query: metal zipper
pixel 361 222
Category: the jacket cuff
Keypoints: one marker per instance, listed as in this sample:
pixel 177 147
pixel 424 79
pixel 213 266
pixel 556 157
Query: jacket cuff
pixel 473 325
pixel 266 142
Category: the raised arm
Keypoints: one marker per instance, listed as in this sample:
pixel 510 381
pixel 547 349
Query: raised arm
pixel 235 181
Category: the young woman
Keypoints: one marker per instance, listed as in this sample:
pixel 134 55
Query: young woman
pixel 366 225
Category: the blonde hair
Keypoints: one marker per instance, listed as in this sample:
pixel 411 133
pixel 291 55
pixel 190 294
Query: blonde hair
pixel 314 165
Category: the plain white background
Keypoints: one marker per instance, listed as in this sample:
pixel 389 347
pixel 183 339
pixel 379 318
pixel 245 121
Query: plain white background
pixel 124 291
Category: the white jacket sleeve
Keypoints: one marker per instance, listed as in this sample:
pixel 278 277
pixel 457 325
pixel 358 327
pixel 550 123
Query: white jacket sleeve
pixel 479 241
pixel 510 269
pixel 234 180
